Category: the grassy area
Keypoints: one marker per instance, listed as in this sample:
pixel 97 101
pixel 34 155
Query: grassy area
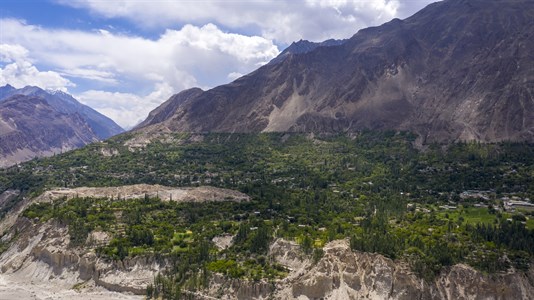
pixel 468 215
pixel 474 215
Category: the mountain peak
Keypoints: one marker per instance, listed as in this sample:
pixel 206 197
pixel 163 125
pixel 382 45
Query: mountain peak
pixel 167 109
pixel 7 86
pixel 304 46
pixel 6 90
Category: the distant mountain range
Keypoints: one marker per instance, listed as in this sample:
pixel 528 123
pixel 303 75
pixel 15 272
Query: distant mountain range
pixel 456 70
pixel 102 126
pixel 35 123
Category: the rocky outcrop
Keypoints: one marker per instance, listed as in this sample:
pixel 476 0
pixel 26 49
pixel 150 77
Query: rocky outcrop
pixel 344 274
pixel 131 275
pixel 289 254
pixel 456 70
pixel 41 253
pixel 226 289
pixel 139 191
pixel 463 282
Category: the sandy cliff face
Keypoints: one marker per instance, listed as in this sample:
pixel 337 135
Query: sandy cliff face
pixel 39 253
pixel 343 274
pixel 39 256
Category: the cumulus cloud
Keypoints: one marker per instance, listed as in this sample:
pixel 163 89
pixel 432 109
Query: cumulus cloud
pixel 183 58
pixel 178 59
pixel 12 53
pixel 17 69
pixel 282 20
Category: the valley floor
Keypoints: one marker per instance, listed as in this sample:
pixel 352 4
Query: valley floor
pixel 13 287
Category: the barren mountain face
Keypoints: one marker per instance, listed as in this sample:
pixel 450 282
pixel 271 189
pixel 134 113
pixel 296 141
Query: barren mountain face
pixel 30 127
pixel 456 70
pixel 62 102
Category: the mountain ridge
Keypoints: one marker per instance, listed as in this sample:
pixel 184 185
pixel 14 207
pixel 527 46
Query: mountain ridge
pixel 456 70
pixel 103 126
pixel 304 46
pixel 31 127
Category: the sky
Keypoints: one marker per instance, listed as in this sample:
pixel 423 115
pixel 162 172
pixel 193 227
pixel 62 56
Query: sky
pixel 126 57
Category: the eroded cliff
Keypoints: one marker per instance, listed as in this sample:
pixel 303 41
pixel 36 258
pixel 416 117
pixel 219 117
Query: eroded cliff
pixel 41 254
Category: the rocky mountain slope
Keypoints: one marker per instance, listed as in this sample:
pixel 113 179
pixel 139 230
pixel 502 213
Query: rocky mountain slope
pixel 102 126
pixel 30 127
pixel 456 70
pixel 166 111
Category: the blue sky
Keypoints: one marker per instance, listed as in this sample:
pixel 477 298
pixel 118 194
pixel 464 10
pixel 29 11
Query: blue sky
pixel 125 57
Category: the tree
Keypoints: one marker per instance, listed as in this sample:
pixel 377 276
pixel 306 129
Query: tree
pixel 307 244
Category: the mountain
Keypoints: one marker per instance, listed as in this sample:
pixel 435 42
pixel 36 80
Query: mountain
pixel 166 110
pixel 30 127
pixel 456 70
pixel 6 90
pixel 304 46
pixel 101 125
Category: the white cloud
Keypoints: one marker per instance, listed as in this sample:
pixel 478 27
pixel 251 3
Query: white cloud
pixel 17 69
pixel 282 20
pixel 178 59
pixel 12 53
pixel 182 58
pixel 91 74
pixel 127 109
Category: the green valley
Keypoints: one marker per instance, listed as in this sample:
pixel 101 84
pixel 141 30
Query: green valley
pixel 430 208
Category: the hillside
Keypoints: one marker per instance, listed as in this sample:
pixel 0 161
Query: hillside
pixel 456 70
pixel 102 126
pixel 286 216
pixel 30 127
pixel 391 165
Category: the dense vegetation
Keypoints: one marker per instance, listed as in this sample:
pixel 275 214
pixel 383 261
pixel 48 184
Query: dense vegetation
pixel 432 208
